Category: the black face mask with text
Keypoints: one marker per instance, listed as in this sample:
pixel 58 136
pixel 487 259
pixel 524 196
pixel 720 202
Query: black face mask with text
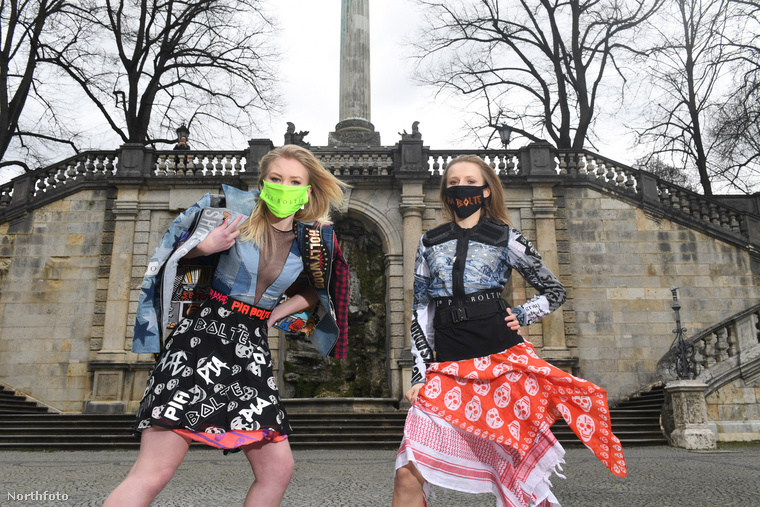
pixel 465 199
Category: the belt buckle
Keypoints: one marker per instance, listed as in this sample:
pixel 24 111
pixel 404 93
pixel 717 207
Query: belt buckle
pixel 459 314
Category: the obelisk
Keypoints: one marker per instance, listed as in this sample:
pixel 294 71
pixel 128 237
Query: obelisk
pixel 354 127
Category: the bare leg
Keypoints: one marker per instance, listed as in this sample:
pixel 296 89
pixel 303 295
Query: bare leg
pixel 407 487
pixel 272 465
pixel 161 453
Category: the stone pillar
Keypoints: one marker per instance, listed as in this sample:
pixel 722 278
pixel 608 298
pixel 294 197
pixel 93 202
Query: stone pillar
pixel 355 95
pixel 690 415
pixel 354 127
pixel 399 357
pixel 108 364
pixel 257 148
pixel 553 325
pixel 410 169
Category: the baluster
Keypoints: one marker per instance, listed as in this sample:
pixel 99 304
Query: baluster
pixel 238 165
pixel 699 349
pixel 714 217
pixel 630 183
pixel 563 163
pixel 51 179
pixel 723 218
pixel 685 203
pixel 709 351
pixel 5 198
pixel 89 165
pixel 721 345
pixel 99 167
pixel 70 172
pixel 601 171
pixel 39 185
pixel 436 166
pixel 704 211
pixel 620 179
pixel 228 165
pixel 386 164
pixel 733 341
pixel 694 206
pixel 110 166
pixel 171 165
pixel 675 200
pixel 734 223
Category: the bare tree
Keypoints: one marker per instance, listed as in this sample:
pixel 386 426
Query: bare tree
pixel 737 124
pixel 539 66
pixel 149 65
pixel 667 172
pixel 688 67
pixel 25 26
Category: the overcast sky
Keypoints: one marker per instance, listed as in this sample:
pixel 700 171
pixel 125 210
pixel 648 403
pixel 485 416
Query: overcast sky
pixel 310 72
pixel 310 41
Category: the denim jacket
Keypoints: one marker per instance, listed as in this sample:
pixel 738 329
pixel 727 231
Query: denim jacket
pixel 493 251
pixel 235 274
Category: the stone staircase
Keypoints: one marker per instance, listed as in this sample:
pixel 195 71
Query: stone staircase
pixel 24 425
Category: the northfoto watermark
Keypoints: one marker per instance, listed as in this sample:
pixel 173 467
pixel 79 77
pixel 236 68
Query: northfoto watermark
pixel 37 496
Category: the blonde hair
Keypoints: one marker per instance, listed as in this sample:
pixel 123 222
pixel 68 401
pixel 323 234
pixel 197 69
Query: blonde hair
pixel 326 193
pixel 494 207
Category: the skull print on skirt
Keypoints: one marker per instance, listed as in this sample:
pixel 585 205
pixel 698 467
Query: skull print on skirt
pixel 214 382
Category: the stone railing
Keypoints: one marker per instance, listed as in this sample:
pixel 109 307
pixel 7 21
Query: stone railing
pixel 732 224
pixel 135 164
pixel 45 185
pixel 504 162
pixel 723 352
pixel 197 164
pixel 359 162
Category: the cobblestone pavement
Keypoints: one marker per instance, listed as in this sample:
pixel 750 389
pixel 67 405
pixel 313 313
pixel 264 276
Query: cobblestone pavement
pixel 658 476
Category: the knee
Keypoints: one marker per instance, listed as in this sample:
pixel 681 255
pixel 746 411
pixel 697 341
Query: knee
pixel 406 479
pixel 287 467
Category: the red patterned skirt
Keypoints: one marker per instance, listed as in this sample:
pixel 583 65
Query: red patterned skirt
pixel 483 425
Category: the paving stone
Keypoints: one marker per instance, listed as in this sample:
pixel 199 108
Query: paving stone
pixel 658 476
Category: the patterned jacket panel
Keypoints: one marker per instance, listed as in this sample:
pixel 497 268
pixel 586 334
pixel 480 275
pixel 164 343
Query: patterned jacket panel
pixel 488 267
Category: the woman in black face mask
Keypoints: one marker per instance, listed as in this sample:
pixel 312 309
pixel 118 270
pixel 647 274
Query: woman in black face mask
pixel 482 400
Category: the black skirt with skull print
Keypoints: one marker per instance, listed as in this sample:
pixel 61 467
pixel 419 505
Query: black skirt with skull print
pixel 214 375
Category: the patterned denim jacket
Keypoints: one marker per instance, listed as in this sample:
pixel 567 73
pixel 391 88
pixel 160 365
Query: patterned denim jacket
pixel 494 249
pixel 235 274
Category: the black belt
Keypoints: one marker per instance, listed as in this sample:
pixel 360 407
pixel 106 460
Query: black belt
pixel 476 305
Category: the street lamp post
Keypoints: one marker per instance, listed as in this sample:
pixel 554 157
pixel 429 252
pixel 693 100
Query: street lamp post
pixel 505 132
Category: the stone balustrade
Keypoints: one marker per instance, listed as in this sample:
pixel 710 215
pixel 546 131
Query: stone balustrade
pixel 199 164
pixel 730 223
pixel 723 352
pixel 365 162
pixel 406 159
pixel 504 162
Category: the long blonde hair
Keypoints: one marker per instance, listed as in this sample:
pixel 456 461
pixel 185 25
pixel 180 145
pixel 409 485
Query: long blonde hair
pixel 494 207
pixel 326 193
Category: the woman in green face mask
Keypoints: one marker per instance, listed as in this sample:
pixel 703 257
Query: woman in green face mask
pixel 214 381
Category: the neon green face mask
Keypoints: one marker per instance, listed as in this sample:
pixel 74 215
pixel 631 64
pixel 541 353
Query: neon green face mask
pixel 284 200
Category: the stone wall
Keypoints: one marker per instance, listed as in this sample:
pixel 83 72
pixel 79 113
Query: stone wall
pixel 733 411
pixel 50 298
pixel 623 265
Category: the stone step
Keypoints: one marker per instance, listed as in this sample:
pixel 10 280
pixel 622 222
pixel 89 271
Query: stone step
pixel 635 422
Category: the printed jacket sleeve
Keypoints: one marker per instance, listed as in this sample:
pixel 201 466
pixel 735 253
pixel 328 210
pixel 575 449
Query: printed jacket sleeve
pixel 147 333
pixel 422 334
pixel 524 258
